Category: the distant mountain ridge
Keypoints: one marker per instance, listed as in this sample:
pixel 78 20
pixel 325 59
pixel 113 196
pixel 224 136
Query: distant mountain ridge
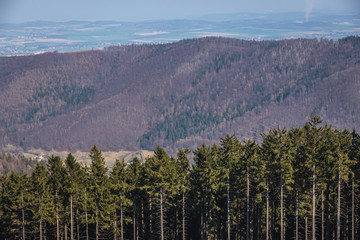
pixel 176 95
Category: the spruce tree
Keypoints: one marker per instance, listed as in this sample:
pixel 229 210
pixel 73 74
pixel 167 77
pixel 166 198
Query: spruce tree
pixel 100 191
pixel 311 151
pixel 57 176
pixel 43 201
pixel 183 169
pixel 277 151
pixel 354 155
pixel 120 188
pixel 228 151
pixel 74 187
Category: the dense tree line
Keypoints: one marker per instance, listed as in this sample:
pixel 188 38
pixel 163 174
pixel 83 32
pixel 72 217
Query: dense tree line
pixel 299 183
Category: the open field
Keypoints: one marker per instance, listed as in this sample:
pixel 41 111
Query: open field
pixel 82 157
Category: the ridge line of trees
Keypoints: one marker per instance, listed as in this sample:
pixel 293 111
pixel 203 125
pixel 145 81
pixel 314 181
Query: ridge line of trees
pixel 301 183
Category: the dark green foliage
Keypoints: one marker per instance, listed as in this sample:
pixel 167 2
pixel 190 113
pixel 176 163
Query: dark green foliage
pixel 179 126
pixel 60 93
pixel 231 191
pixel 354 40
pixel 272 44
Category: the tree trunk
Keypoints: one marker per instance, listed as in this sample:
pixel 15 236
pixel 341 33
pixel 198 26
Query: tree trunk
pixel 202 222
pixel 237 221
pixel 57 218
pixel 313 205
pixel 306 228
pixel 247 205
pixel 176 226
pixel 97 224
pixel 65 232
pixel 142 219
pixel 71 218
pixel 150 219
pixel 297 216
pixel 86 219
pixel 86 225
pixel 134 222
pixel 161 215
pixel 40 230
pixel 183 216
pixel 45 232
pixel 267 210
pixel 228 208
pixel 137 227
pixel 258 222
pixel 338 208
pixel 77 224
pixel 353 210
pixel 281 209
pixel 115 223
pixel 23 216
pixel 322 216
pixel 121 221
pixel 284 232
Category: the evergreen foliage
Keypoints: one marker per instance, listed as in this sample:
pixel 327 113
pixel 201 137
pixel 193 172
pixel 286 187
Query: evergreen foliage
pixel 299 183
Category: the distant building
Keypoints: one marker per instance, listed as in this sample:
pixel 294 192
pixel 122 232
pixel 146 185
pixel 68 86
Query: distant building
pixel 39 157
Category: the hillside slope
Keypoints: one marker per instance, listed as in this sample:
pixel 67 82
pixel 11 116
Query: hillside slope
pixel 176 95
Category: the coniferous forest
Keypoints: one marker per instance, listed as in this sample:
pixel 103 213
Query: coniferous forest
pixel 298 183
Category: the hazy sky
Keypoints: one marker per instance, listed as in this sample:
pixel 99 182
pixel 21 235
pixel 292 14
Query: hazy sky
pixel 15 11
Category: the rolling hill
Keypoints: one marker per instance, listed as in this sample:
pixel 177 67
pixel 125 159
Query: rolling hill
pixel 176 95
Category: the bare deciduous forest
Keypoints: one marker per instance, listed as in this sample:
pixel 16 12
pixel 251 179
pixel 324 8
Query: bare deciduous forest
pixel 176 95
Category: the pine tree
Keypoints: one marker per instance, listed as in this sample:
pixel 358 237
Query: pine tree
pixel 277 151
pixel 134 172
pixel 16 195
pixel 228 151
pixel 119 187
pixel 255 178
pixel 354 155
pixel 161 171
pixel 74 181
pixel 57 176
pixel 183 169
pixel 311 151
pixel 100 191
pixel 43 202
pixel 344 166
pixel 301 176
pixel 207 180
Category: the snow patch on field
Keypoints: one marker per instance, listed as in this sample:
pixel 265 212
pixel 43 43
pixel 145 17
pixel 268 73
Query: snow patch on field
pixel 153 33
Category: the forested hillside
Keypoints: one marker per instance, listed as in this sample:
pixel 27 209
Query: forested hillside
pixel 176 95
pixel 300 183
pixel 16 163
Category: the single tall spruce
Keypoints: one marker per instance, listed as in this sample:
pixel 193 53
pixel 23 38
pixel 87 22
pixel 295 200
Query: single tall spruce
pixel 43 199
pixel 183 168
pixel 74 180
pixel 277 150
pixel 354 156
pixel 228 150
pixel 99 190
pixel 119 187
pixel 57 182
pixel 313 135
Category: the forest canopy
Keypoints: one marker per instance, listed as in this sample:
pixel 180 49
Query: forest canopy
pixel 298 182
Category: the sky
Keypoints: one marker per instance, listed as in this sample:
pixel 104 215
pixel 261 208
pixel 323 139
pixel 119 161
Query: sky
pixel 17 11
